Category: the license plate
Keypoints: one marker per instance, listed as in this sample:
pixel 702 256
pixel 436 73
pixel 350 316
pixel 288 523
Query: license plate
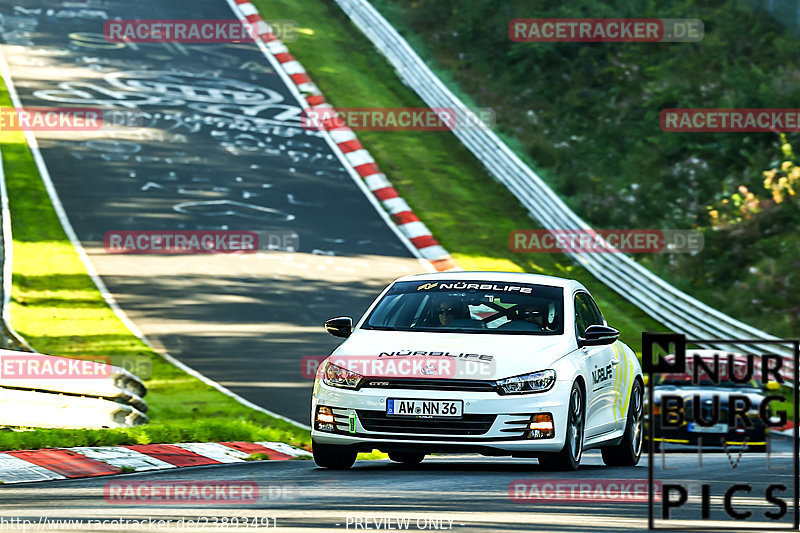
pixel 424 408
pixel 716 428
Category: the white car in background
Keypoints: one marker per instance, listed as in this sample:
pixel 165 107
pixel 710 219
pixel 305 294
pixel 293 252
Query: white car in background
pixel 531 369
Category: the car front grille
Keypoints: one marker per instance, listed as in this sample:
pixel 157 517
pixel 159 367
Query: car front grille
pixel 431 384
pixel 466 425
pixel 706 411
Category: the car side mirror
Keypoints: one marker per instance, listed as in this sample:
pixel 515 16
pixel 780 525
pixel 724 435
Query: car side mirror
pixel 598 336
pixel 340 326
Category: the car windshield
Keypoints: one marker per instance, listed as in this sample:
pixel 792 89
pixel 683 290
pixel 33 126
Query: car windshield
pixel 470 307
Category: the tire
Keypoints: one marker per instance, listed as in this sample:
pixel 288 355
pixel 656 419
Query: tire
pixel 407 458
pixel 629 450
pixel 569 458
pixel 332 456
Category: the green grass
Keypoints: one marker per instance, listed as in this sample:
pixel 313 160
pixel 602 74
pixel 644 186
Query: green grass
pixel 467 211
pixel 58 309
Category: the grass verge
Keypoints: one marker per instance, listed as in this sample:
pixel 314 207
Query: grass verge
pixel 58 309
pixel 467 211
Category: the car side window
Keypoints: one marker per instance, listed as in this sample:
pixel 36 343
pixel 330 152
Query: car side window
pixel 598 316
pixel 586 313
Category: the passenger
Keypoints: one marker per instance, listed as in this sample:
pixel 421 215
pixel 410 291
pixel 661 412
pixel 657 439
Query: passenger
pixel 533 315
pixel 526 318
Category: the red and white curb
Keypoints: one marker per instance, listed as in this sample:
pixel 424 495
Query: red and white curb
pixel 345 139
pixel 23 466
pixel 787 430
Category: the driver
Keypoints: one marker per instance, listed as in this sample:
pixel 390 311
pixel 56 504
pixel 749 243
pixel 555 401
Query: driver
pixel 449 310
pixel 532 315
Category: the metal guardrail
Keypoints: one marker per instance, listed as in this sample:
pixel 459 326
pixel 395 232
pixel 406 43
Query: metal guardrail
pixel 670 306
pixel 46 393
pixel 24 408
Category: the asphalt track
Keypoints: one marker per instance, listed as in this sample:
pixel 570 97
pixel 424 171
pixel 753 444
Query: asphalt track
pixel 471 491
pixel 220 147
pixel 219 154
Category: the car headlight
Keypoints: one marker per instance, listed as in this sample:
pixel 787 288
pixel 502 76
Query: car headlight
pixel 336 376
pixel 527 383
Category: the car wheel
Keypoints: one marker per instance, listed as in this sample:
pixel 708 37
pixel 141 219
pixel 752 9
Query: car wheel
pixel 333 456
pixel 629 450
pixel 407 458
pixel 569 458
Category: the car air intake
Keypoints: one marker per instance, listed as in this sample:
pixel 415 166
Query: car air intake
pixel 467 425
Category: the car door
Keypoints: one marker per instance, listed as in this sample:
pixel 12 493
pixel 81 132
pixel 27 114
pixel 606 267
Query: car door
pixel 601 364
pixel 618 372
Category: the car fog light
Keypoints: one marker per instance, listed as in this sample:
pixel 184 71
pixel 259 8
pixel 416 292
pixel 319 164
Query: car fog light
pixel 325 419
pixel 541 426
pixel 324 414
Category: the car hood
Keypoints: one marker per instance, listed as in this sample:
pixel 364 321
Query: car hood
pixel 479 356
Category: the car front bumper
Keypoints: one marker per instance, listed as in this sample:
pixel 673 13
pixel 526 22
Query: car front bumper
pixel 491 424
pixel 752 436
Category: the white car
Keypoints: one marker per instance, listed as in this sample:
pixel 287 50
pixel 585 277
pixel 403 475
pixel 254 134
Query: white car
pixel 527 367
